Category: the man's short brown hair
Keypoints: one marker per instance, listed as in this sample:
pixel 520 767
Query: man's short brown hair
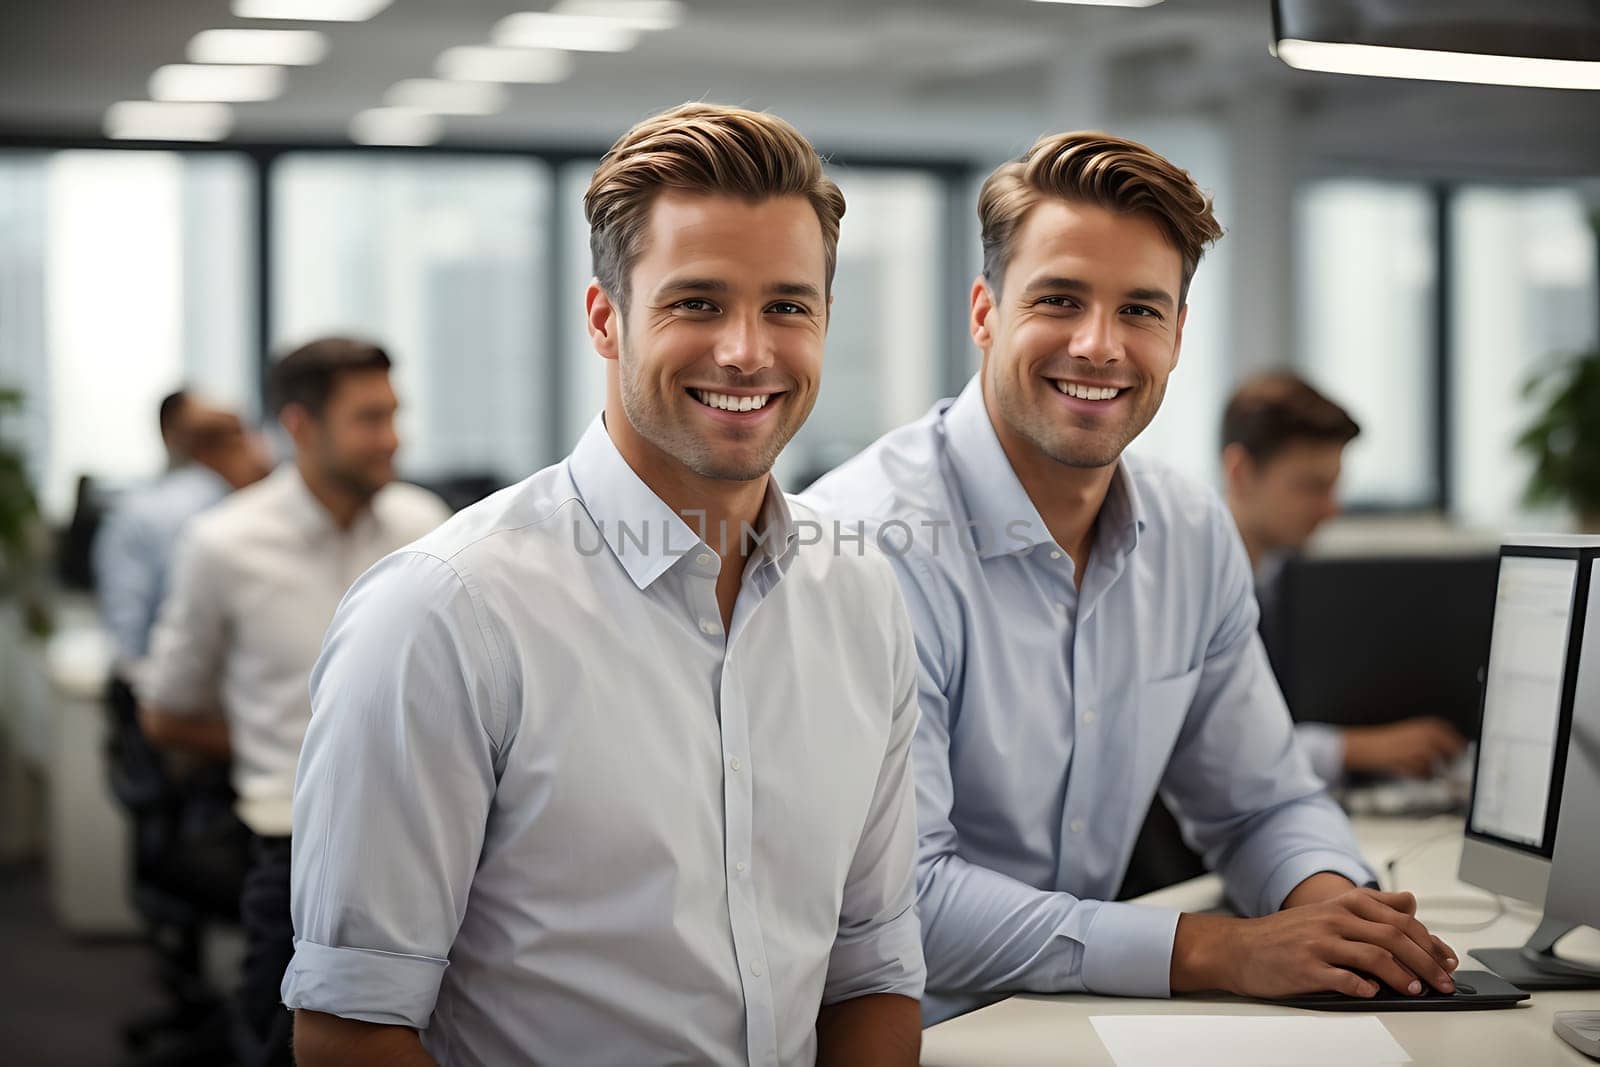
pixel 1269 413
pixel 1095 168
pixel 700 148
pixel 307 376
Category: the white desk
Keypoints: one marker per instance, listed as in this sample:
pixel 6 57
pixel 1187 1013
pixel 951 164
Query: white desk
pixel 1027 1030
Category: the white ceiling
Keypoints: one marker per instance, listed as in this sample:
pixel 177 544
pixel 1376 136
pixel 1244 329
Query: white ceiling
pixel 968 79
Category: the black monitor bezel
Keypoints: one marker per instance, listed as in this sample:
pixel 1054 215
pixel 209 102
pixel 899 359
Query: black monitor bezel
pixel 1569 687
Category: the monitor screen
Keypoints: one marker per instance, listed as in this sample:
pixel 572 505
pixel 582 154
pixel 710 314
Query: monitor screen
pixel 1522 698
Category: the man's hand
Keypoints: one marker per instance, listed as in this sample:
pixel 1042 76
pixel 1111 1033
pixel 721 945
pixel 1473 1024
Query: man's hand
pixel 1340 944
pixel 1414 748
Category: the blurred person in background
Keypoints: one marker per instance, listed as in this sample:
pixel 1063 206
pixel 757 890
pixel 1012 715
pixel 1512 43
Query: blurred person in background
pixel 212 454
pixel 255 582
pixel 1282 450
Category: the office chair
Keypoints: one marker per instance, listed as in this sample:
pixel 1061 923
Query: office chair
pixel 189 855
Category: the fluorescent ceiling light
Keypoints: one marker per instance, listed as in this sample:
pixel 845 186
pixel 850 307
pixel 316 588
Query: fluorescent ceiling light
pixel 572 33
pixel 233 84
pixel 638 14
pixel 310 10
pixel 1105 3
pixel 484 63
pixel 290 48
pixel 147 120
pixel 447 97
pixel 1385 62
pixel 395 126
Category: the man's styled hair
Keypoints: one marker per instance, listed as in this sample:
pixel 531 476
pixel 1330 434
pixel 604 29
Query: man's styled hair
pixel 307 376
pixel 1095 168
pixel 171 408
pixel 699 148
pixel 1269 413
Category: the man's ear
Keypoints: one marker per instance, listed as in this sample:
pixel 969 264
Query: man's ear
pixel 1177 338
pixel 1238 468
pixel 604 321
pixel 296 422
pixel 979 322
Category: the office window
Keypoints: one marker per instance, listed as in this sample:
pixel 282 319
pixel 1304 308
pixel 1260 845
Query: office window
pixel 440 259
pixel 1523 264
pixel 1365 328
pixel 884 355
pixel 122 275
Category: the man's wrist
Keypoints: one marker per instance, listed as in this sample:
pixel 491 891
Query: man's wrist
pixel 1198 959
pixel 1324 885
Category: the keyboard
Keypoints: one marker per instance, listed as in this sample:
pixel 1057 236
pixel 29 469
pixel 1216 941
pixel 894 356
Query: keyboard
pixel 1475 991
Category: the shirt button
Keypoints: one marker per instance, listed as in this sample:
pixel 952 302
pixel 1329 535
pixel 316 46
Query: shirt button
pixel 755 969
pixel 704 559
pixel 1061 607
pixel 1076 825
pixel 733 761
pixel 739 866
pixel 1054 554
pixel 1089 717
pixel 709 627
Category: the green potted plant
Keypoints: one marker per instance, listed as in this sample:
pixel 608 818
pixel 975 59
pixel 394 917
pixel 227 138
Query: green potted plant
pixel 22 534
pixel 1564 439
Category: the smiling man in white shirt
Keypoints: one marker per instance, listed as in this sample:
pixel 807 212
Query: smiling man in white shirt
pixel 590 783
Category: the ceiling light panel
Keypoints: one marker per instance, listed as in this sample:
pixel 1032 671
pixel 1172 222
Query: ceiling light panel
pixel 483 63
pixel 289 48
pixel 310 10
pixel 648 15
pixel 572 33
pixel 149 120
pixel 228 84
pixel 447 97
pixel 395 126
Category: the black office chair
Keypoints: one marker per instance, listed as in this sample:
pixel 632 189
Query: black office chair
pixel 189 857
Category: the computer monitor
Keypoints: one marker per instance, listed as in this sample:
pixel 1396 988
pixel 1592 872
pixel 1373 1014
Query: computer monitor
pixel 1368 640
pixel 1537 635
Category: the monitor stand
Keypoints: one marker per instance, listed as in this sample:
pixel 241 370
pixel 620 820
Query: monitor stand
pixel 1536 966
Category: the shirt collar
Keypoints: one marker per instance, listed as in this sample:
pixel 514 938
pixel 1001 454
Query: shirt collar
pixel 1004 519
pixel 308 515
pixel 645 535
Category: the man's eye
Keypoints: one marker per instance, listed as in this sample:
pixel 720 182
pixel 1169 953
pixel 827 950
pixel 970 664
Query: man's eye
pixel 1143 312
pixel 696 304
pixel 1057 301
pixel 787 307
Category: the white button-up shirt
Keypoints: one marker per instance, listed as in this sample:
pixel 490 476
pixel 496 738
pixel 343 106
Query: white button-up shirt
pixel 549 812
pixel 256 580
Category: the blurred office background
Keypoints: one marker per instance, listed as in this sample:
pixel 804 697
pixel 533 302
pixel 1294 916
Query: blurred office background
pixel 1419 250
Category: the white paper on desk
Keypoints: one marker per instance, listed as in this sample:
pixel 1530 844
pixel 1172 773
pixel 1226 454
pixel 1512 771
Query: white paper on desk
pixel 1247 1041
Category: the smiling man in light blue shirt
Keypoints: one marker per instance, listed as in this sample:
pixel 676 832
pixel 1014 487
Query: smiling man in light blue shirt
pixel 1086 627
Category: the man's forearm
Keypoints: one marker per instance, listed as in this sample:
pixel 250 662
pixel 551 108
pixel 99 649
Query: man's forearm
pixel 203 735
pixel 322 1040
pixel 883 1028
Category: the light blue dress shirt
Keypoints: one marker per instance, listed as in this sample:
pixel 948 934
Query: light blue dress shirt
pixel 549 812
pixel 133 551
pixel 1051 714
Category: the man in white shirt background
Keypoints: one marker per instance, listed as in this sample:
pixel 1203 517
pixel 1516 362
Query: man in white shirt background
pixel 613 767
pixel 255 582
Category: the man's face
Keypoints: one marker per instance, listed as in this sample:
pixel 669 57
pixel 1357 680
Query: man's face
pixel 1078 345
pixel 354 441
pixel 719 356
pixel 1293 493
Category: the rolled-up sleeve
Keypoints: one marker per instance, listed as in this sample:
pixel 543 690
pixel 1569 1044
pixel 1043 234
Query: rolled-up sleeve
pixel 879 945
pixel 393 792
pixel 1242 788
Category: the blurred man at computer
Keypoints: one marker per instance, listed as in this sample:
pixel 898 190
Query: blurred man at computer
pixel 255 582
pixel 1282 448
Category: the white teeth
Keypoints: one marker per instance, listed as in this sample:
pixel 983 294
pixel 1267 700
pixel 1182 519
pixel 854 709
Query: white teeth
pixel 731 403
pixel 1087 392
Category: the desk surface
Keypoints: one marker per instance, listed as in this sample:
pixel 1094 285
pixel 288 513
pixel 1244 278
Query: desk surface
pixel 1027 1030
